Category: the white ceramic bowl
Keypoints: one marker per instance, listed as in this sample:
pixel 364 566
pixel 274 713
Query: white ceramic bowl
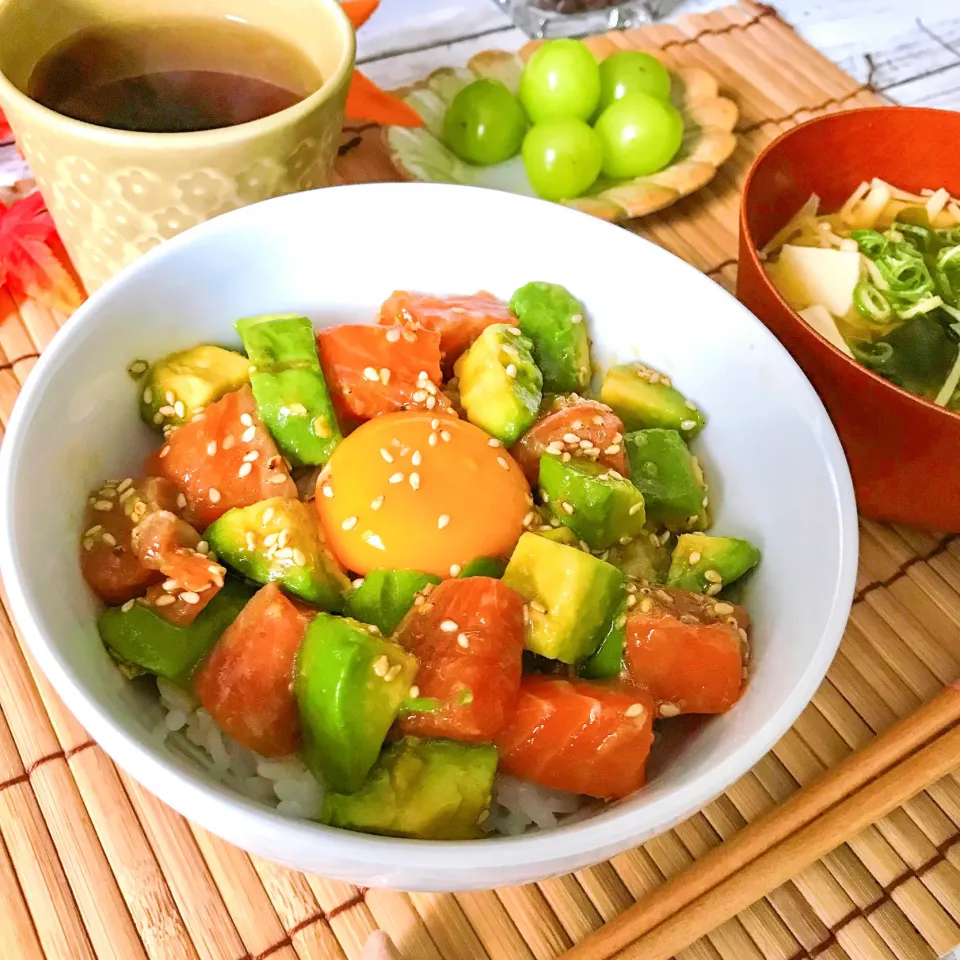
pixel 777 474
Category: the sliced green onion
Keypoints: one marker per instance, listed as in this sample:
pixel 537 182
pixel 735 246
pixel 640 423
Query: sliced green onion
pixel 924 306
pixel 954 312
pixel 950 384
pixel 871 243
pixel 871 303
pixel 873 354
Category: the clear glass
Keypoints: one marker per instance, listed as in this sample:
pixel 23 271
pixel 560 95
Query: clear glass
pixel 573 18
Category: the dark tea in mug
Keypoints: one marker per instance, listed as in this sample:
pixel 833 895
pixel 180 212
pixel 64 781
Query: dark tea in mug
pixel 173 75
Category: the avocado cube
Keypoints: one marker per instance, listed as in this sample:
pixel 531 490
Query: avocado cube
pixel 289 386
pixel 349 685
pixel 642 397
pixel 420 789
pixel 646 557
pixel 554 321
pixel 280 539
pixel 492 567
pixel 608 660
pixel 180 385
pixel 135 634
pixel 670 478
pixel 559 534
pixel 571 597
pixel 596 503
pixel 707 564
pixel 385 596
pixel 500 385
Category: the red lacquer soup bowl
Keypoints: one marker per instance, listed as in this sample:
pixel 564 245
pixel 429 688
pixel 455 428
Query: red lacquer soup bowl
pixel 904 452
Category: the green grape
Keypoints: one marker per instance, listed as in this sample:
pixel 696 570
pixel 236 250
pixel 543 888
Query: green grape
pixel 631 71
pixel 561 79
pixel 485 123
pixel 562 157
pixel 639 136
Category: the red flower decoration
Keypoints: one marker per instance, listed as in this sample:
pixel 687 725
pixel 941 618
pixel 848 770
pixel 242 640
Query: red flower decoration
pixel 29 267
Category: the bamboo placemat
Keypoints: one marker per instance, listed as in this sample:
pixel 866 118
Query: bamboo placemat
pixel 92 867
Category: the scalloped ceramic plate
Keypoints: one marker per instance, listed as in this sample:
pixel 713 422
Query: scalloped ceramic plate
pixel 708 140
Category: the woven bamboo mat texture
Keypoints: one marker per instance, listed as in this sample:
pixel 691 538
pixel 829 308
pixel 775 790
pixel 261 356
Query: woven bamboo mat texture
pixel 92 867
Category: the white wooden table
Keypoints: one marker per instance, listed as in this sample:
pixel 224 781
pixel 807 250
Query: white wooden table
pixel 908 49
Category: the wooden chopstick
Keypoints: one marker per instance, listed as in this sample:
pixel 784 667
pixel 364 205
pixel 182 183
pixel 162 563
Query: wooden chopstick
pixel 862 788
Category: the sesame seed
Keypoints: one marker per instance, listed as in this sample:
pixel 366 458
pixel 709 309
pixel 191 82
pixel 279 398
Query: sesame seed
pixel 691 405
pixel 277 478
pixel 190 597
pixel 170 584
pixel 228 441
pixel 529 518
pixel 327 490
pixel 526 614
pixel 251 541
pixel 248 434
pixel 148 396
pixel 514 330
pixel 419 396
pixel 370 374
pixel 577 318
pixel 165 600
pixel 392 673
pixel 584 546
pixel 415 481
pixel 416 459
pixel 245 469
pixel 614 448
pixel 503 463
pixel 624 540
pixel 432 439
pixel 586 444
pixel 384 376
pixel 511 370
pixel 298 557
pixel 284 553
pixel 386 455
pixel 94 530
pixel 393 335
pixel 635 509
pixel 571 438
pixel 445 436
pixel 179 409
pixel 270 539
pixel 668 710
pixel 246 419
pixel 381 666
pixel 634 710
pixel 268 514
pixel 124 485
pixel 103 506
pixel 372 539
pixel 431 402
pixel 449 626
pixel 631 601
pixel 555 446
pixel 694 558
pixel 284 537
pixel 298 409
pixel 455 569
pixel 463 640
pixel 615 474
pixel 704 502
pixel 376 504
pixel 158 418
pixel 714 589
pixel 349 523
pixel 567 508
pixel 687 424
pixel 167 410
pixel 409 336
pixel 537 606
pixel 712 576
pixel 165 450
pixel 646 605
pixel 414 692
pixel 128 606
pixel 395 478
pixel 743 634
pixel 722 609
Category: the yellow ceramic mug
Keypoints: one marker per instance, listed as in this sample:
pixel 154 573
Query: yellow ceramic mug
pixel 114 194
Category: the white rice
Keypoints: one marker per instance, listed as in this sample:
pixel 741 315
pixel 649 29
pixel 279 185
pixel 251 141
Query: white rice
pixel 287 785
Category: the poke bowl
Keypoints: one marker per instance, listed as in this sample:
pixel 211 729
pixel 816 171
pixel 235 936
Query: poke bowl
pixel 898 428
pixel 668 583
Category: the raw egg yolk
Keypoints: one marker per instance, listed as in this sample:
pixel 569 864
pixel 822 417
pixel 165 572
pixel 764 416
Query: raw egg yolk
pixel 411 491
